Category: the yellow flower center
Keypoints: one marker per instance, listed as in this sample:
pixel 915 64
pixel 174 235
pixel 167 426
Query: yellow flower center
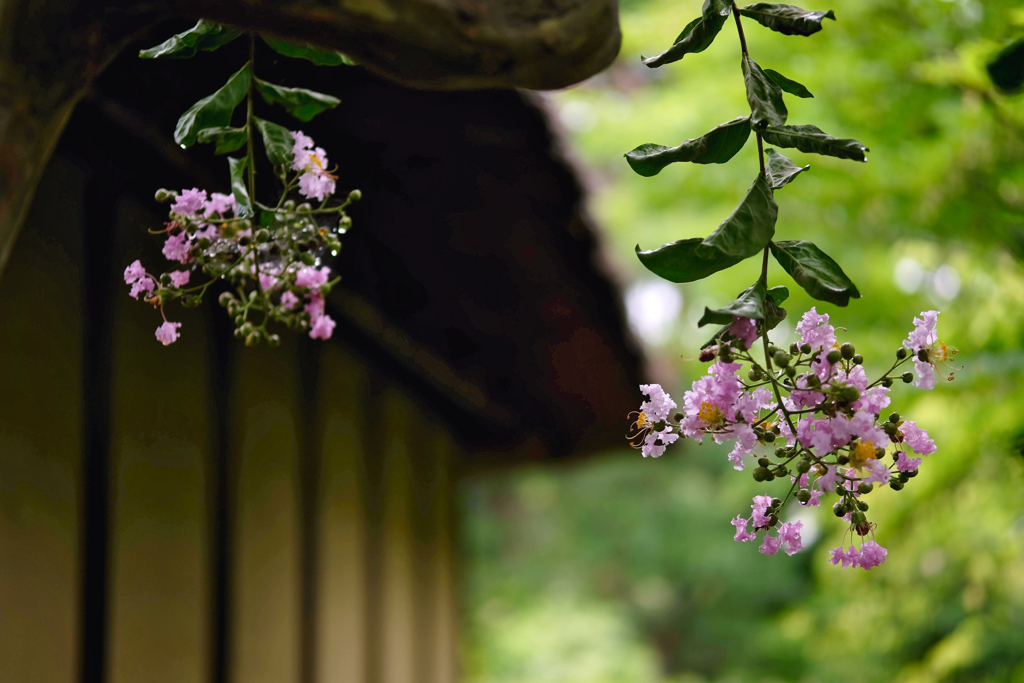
pixel 641 420
pixel 710 414
pixel 861 453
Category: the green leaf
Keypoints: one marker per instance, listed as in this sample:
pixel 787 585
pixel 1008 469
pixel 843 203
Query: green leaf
pixel 205 36
pixel 744 233
pixel 773 313
pixel 267 218
pixel 318 55
pixel 1007 69
pixel 239 187
pixel 764 96
pixel 813 140
pixel 697 36
pixel 277 140
pixel 778 294
pixel 714 147
pixel 228 139
pixel 301 103
pixel 213 111
pixel 815 271
pixel 787 19
pixel 788 85
pixel 781 171
pixel 749 304
pixel 750 226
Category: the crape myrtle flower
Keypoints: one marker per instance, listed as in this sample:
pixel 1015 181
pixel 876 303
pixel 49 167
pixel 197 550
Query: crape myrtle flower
pixel 810 414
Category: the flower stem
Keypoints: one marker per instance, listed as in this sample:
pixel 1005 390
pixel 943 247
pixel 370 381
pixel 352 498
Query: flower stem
pixel 248 119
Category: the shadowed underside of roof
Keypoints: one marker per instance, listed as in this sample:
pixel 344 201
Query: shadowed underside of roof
pixel 471 271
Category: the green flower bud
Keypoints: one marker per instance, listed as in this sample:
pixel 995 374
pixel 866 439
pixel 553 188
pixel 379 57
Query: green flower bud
pixel 775 503
pixel 794 349
pixel 304 207
pixel 895 485
pixel 922 356
pixel 901 353
pixel 780 471
pixel 849 393
pixel 246 328
pixel 862 506
pixel 761 474
pixel 769 437
pixel 764 462
pixel 838 511
pixel 308 259
pixel 772 349
pixel 262 236
pixel 805 348
pixel 907 377
pixel 865 488
pixel 847 351
pixel 858 517
pixel 659 425
pixel 894 417
pixel 678 417
pixel 790 371
pixel 890 428
pixel 204 242
pixel 289 205
pixel 803 466
pixel 355 196
pixel 770 477
pixel 858 359
pixel 886 382
pixel 274 340
pixel 833 356
pixel 780 358
pixel 252 339
pixel 842 459
pixel 803 495
pixel 225 298
pixel 911 474
pixel 780 452
pixel 754 375
pixel 163 195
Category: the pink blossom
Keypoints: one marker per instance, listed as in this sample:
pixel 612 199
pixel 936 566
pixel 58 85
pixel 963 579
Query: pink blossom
pixel 316 186
pixel 837 555
pixel 905 464
pixel 741 530
pixel 311 277
pixel 745 329
pixel 871 555
pixel 924 333
pixel 760 507
pixel 303 143
pixel 815 330
pixel 815 499
pixel 142 285
pixel 874 400
pixel 179 278
pixel 660 405
pixel 746 440
pixel 917 438
pixel 210 232
pixel 789 534
pixel 167 333
pixel 267 281
pixel 655 442
pixel 133 272
pixel 925 374
pixel 878 472
pixel 288 300
pixel 219 204
pixel 323 328
pixel 315 307
pixel 176 248
pixel 827 482
pixel 770 545
pixel 189 202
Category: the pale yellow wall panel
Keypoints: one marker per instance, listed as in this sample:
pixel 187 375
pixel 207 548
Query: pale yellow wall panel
pixel 41 440
pixel 341 564
pixel 160 441
pixel 266 644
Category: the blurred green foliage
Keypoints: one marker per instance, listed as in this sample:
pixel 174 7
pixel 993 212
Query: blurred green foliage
pixel 624 569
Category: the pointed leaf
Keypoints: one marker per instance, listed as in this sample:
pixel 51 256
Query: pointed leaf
pixel 764 96
pixel 1007 69
pixel 750 226
pixel 787 19
pixel 318 55
pixel 778 294
pixel 773 313
pixel 277 141
pixel 815 271
pixel 714 147
pixel 788 85
pixel 813 140
pixel 680 262
pixel 203 36
pixel 228 139
pixel 781 171
pixel 697 36
pixel 239 187
pixel 749 304
pixel 214 110
pixel 301 103
pixel 744 233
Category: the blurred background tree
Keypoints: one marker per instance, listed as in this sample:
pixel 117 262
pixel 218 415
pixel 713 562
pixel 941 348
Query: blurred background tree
pixel 623 569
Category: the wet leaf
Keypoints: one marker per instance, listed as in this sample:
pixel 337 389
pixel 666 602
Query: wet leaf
pixel 213 111
pixel 815 271
pixel 277 141
pixel 787 19
pixel 301 103
pixel 318 55
pixel 781 171
pixel 227 139
pixel 749 304
pixel 714 147
pixel 764 97
pixel 697 36
pixel 239 187
pixel 788 85
pixel 205 36
pixel 813 140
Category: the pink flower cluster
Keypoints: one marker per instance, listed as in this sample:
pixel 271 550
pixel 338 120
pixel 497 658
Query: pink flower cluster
pixel 315 182
pixel 811 416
